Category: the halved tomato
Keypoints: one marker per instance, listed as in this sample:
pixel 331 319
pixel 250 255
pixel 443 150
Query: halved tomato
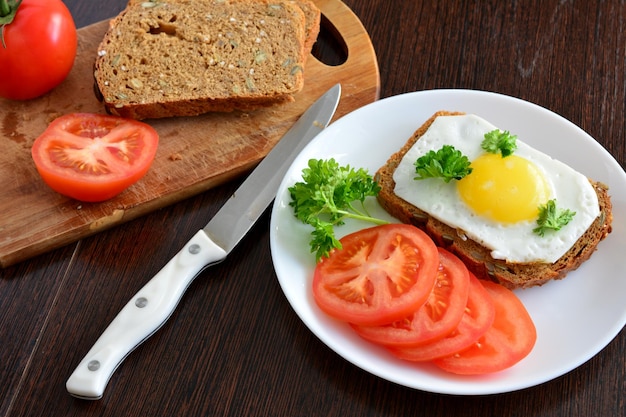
pixel 437 318
pixel 381 274
pixel 510 338
pixel 477 318
pixel 94 157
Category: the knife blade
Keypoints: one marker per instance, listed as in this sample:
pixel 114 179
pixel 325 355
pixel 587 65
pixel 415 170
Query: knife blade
pixel 153 304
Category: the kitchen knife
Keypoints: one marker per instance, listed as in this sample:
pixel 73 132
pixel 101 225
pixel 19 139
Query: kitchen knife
pixel 150 308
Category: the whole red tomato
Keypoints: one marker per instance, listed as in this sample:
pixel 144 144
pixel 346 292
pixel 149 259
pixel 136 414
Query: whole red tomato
pixel 38 47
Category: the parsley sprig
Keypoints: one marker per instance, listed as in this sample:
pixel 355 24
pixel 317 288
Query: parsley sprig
pixel 501 142
pixel 327 196
pixel 447 163
pixel 552 218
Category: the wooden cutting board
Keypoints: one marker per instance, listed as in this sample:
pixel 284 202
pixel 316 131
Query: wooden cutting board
pixel 194 155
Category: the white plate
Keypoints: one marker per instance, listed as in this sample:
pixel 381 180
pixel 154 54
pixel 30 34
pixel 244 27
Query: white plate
pixel 575 317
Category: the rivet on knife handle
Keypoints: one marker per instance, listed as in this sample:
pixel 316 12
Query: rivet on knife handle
pixel 155 302
pixel 143 315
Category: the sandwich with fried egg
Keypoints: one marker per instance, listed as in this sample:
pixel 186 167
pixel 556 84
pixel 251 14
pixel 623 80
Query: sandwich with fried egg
pixel 489 217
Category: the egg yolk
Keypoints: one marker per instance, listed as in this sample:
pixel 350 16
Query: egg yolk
pixel 506 190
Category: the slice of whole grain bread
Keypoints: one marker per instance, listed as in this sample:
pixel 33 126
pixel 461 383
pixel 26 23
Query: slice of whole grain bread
pixel 313 17
pixel 188 57
pixel 477 257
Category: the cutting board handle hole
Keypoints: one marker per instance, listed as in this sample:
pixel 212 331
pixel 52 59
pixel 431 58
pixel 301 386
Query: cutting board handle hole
pixel 330 47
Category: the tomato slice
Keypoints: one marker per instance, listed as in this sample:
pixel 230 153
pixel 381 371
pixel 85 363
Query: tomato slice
pixel 94 157
pixel 510 338
pixel 438 317
pixel 477 318
pixel 381 274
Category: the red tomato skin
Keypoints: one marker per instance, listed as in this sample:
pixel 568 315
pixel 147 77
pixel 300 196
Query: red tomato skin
pixel 478 318
pixel 94 188
pixel 86 191
pixel 509 340
pixel 41 45
pixel 434 320
pixel 369 298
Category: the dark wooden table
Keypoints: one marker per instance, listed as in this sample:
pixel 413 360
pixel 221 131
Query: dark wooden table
pixel 234 346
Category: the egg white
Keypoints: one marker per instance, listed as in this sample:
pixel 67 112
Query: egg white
pixel 514 242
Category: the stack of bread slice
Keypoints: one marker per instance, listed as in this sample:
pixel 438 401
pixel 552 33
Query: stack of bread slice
pixel 166 58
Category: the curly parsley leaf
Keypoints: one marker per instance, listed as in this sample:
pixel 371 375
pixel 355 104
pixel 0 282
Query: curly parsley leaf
pixel 552 218
pixel 447 163
pixel 498 141
pixel 327 195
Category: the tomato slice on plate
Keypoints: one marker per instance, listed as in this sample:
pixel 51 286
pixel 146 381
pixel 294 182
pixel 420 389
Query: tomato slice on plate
pixel 477 318
pixel 510 338
pixel 94 157
pixel 437 318
pixel 381 274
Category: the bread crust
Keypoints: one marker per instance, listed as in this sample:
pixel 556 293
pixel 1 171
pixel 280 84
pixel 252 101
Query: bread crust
pixel 477 257
pixel 189 67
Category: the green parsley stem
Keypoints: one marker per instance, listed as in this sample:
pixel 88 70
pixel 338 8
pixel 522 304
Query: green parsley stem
pixel 364 217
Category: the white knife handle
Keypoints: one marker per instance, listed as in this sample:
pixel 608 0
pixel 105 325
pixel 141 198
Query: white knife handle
pixel 144 314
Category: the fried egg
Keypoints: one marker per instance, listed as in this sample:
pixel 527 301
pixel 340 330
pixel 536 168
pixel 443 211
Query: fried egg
pixel 497 204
